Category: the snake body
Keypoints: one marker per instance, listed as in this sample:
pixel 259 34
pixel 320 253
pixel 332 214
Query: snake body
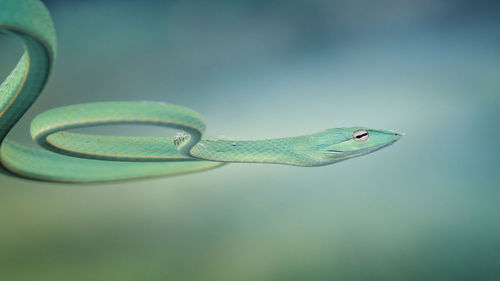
pixel 74 157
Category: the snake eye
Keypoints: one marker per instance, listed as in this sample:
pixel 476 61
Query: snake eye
pixel 360 135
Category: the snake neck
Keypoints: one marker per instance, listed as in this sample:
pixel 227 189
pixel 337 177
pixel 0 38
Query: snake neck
pixel 289 151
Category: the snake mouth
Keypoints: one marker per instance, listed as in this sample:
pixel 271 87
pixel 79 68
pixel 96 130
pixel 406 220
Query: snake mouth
pixel 361 151
pixel 334 151
pixel 375 148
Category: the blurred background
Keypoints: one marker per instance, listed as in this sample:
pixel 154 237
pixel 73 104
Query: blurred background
pixel 426 208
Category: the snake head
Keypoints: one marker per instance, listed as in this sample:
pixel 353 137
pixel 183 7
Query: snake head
pixel 339 144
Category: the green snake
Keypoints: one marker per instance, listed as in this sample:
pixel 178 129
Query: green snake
pixel 76 157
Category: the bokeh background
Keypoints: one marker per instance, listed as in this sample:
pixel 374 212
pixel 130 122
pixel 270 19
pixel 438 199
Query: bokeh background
pixel 426 208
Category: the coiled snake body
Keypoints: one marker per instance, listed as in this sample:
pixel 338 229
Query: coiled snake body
pixel 73 157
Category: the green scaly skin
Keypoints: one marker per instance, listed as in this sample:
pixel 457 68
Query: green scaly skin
pixel 72 157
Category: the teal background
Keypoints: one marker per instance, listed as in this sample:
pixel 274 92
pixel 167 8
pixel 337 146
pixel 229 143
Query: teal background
pixel 426 208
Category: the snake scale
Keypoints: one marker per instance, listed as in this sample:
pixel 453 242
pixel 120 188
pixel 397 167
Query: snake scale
pixel 75 157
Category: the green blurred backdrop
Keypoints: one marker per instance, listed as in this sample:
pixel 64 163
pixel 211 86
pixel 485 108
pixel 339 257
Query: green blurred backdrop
pixel 426 208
